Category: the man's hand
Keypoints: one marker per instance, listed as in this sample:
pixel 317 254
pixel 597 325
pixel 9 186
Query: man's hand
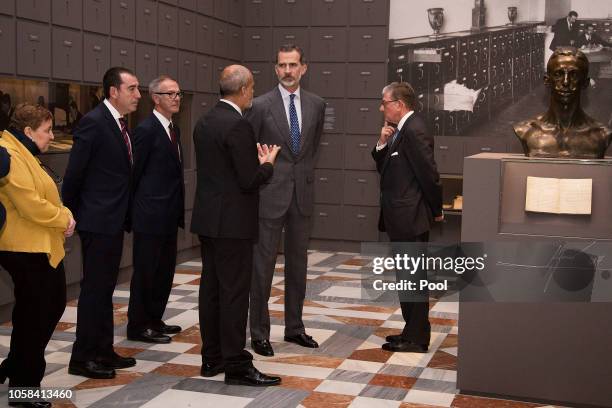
pixel 267 154
pixel 385 133
pixel 439 218
pixel 70 229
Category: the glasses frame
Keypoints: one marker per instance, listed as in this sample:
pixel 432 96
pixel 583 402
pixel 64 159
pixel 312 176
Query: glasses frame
pixel 179 94
pixel 384 103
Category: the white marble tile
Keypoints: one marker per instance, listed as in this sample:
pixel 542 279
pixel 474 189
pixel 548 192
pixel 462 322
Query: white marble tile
pixel 367 402
pixel 61 379
pixel 192 263
pixel 174 347
pixel 411 359
pixel 454 330
pixel 143 366
pixel 174 298
pixel 439 374
pixel 187 359
pixel 120 293
pixel 58 357
pixel 5 341
pixel 320 318
pixel 337 312
pixel 340 387
pixel 70 315
pixel 279 265
pixel 277 279
pixel 393 324
pixel 277 333
pixel 359 365
pixel 349 267
pixel 295 370
pixel 186 319
pixel 450 350
pixel 311 276
pixel 372 342
pixel 87 397
pixel 316 257
pixel 190 399
pixel 343 291
pixel 181 305
pixel 184 277
pixel 185 286
pixel 347 275
pixel 446 307
pixel 337 305
pixel 429 398
pixel 320 268
pixel 55 345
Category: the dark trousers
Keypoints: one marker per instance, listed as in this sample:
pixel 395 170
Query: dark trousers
pixel 224 301
pixel 416 314
pixel 154 264
pixel 40 300
pixel 95 330
pixel 297 233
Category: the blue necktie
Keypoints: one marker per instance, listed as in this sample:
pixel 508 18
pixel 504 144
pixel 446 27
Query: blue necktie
pixel 394 137
pixel 295 126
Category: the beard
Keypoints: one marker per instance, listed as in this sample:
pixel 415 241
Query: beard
pixel 289 81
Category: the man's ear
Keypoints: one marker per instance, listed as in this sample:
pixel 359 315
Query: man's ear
pixel 546 79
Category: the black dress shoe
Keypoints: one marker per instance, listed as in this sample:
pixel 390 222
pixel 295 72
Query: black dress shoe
pixel 34 404
pixel 303 340
pixel 394 338
pixel 405 346
pixel 149 336
pixel 252 377
pixel 116 361
pixel 163 328
pixel 262 347
pixel 211 369
pixel 91 369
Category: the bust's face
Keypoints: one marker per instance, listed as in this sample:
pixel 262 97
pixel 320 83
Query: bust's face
pixel 566 78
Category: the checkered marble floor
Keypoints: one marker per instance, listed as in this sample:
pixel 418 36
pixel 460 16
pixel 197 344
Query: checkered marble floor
pixel 348 370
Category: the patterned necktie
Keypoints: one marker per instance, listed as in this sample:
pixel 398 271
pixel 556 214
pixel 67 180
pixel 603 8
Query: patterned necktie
pixel 295 126
pixel 126 138
pixel 173 138
pixel 394 137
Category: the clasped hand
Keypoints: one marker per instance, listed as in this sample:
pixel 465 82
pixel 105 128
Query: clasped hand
pixel 267 154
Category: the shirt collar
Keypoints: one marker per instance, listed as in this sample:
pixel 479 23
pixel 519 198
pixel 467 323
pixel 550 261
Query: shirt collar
pixel 112 110
pixel 162 119
pixel 285 93
pixel 232 104
pixel 403 120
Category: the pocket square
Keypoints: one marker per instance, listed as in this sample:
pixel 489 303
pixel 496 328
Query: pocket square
pixel 394 154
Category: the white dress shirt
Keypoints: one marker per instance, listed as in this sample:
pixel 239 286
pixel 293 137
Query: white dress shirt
pixel 296 101
pixel 164 122
pixel 117 116
pixel 232 104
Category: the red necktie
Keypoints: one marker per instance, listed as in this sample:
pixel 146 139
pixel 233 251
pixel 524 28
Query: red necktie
pixel 126 138
pixel 173 138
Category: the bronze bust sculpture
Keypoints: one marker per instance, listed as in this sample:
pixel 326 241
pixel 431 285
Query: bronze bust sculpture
pixel 565 130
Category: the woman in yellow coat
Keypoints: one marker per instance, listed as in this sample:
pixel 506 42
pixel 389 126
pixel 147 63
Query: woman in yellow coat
pixel 32 247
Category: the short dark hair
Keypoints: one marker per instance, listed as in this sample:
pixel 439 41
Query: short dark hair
pixel 290 48
pixel 29 115
pixel 402 91
pixel 572 14
pixel 112 77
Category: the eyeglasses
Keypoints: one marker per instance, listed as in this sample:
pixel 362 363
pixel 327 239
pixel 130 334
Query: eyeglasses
pixel 384 103
pixel 172 95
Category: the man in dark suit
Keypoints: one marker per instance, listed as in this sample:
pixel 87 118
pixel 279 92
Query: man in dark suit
pixel 225 217
pixel 158 211
pixel 566 31
pixel 5 165
pixel 410 196
pixel 97 189
pixel 291 117
pixel 590 39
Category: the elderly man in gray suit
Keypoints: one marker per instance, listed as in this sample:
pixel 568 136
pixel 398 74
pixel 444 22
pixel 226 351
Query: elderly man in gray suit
pixel 287 116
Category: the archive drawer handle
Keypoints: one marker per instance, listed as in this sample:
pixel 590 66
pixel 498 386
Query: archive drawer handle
pixel 1 31
pixel 290 1
pixel 256 1
pixel 34 37
pixel 363 145
pixel 367 36
pixel 256 37
pixel 361 180
pixel 328 37
pixel 485 149
pixel 322 214
pixel 187 62
pixel 235 35
pixel 97 48
pixel 204 27
pixel 362 216
pixel 221 31
pixel 168 17
pixel 147 11
pixel 147 56
pixel 187 21
pixel 67 43
pixel 364 109
pixel 256 72
pixel 123 52
pixel 168 59
pixel 203 104
pixel 365 73
pixel 324 143
pixel 323 179
pixel 289 37
pixel 443 147
pixel 326 73
pixel 368 1
pixel 204 65
pixel 123 5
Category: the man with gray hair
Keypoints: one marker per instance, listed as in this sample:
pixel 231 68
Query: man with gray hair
pixel 230 169
pixel 157 212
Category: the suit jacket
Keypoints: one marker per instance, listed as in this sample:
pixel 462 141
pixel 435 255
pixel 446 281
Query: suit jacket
pixel 97 183
pixel 563 35
pixel 594 40
pixel 159 189
pixel 228 175
pixel 292 172
pixel 5 165
pixel 411 193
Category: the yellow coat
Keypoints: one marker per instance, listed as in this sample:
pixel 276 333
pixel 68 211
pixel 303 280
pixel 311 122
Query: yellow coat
pixel 35 217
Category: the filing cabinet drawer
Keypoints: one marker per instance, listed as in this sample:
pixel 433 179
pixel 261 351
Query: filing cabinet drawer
pixel 123 14
pixel 419 76
pixel 369 12
pixel 330 152
pixel 334 116
pixel 290 35
pixel 358 152
pixel 435 121
pixel 146 21
pixel 187 70
pixel 7 44
pixel 327 221
pixel 204 37
pixel 187 30
pixel 146 63
pixel 167 61
pixel 329 12
pixel 235 42
pixel 478 144
pixel 327 79
pixel 328 186
pixel 292 12
pixel 206 7
pixel 258 44
pixel 360 223
pixel 96 16
pixel 204 71
pixel 68 13
pixel 422 103
pixel 449 154
pixel 123 54
pixel 218 65
pixel 436 74
pixel 33 49
pixel 39 10
pixel 435 99
pixel 67 54
pixel 236 11
pixel 7 7
pixel 221 39
pixel 258 13
pixel 361 188
pixel 364 116
pixel 187 4
pixel 221 9
pixel 264 76
pixel 96 50
pixel 190 183
pixel 328 44
pixel 168 25
pixel 368 44
pixel 366 80
pixel 200 104
pixel 172 2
